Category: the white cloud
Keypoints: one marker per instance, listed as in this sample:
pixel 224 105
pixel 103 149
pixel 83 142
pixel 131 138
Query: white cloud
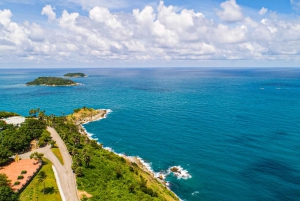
pixel 231 11
pixel 295 4
pixel 263 11
pixel 103 15
pixel 5 16
pixel 48 11
pixel 162 33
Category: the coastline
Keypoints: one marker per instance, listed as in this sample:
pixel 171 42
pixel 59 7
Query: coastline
pixel 136 159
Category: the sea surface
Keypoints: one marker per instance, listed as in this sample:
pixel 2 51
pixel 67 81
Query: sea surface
pixel 236 131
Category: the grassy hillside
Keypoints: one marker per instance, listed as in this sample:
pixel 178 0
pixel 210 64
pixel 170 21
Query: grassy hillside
pixel 105 175
pixel 35 190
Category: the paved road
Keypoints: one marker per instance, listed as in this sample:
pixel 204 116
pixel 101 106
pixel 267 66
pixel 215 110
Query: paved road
pixel 65 173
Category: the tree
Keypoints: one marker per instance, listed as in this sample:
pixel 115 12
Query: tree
pixel 87 159
pixel 41 115
pixel 79 172
pixel 52 143
pixel 36 156
pixel 5 153
pixel 45 137
pixel 41 177
pixel 7 194
pixel 4 180
pixel 32 112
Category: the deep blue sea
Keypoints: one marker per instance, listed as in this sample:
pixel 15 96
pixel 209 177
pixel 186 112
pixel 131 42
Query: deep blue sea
pixel 236 131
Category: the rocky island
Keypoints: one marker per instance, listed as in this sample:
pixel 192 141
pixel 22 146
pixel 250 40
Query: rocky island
pixel 52 81
pixel 75 75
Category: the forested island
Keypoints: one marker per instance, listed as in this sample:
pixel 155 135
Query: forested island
pixel 52 81
pixel 75 75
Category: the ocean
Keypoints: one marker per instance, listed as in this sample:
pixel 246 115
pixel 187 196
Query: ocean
pixel 234 132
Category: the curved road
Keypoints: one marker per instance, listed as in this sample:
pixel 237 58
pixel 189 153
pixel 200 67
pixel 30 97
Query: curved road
pixel 65 173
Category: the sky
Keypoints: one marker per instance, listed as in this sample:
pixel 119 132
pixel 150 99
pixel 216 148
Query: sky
pixel 146 33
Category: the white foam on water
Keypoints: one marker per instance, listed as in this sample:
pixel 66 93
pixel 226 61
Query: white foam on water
pixel 195 193
pixel 180 173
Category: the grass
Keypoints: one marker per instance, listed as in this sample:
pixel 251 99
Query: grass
pixel 108 176
pixel 58 154
pixel 34 191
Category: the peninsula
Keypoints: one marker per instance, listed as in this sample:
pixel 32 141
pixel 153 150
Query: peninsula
pixel 82 168
pixel 52 81
pixel 75 75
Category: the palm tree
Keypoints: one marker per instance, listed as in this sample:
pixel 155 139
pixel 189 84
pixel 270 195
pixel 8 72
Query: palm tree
pixel 87 159
pixel 32 112
pixel 41 177
pixel 41 115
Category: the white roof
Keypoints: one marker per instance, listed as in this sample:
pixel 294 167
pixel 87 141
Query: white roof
pixel 14 120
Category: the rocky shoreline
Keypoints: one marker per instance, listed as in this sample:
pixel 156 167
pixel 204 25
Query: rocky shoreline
pixel 141 164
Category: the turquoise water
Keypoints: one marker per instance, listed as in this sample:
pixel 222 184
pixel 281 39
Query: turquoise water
pixel 236 131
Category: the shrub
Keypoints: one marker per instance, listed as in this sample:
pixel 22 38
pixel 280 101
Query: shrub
pixel 23 172
pixel 20 177
pixel 16 183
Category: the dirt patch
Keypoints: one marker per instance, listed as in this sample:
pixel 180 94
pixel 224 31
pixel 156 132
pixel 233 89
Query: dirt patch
pixel 82 193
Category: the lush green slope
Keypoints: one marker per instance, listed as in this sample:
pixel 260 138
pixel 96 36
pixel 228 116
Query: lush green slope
pixel 75 75
pixel 4 114
pixel 35 190
pixel 51 81
pixel 105 175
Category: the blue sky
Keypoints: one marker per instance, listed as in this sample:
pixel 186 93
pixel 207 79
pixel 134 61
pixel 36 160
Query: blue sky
pixel 123 33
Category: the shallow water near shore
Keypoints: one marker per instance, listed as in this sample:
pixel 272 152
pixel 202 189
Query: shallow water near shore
pixel 236 131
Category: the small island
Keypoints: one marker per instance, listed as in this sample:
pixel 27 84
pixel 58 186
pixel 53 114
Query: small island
pixel 52 81
pixel 75 75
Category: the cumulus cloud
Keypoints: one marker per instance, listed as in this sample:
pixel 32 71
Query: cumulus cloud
pixel 48 11
pixel 100 14
pixel 161 33
pixel 263 11
pixel 231 11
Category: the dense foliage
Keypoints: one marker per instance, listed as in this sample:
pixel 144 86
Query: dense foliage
pixel 105 175
pixel 51 81
pixel 4 180
pixel 7 194
pixel 15 139
pixel 75 75
pixel 4 114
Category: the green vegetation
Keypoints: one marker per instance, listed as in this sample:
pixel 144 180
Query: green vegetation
pixel 4 114
pixel 51 81
pixel 23 172
pixel 6 193
pixel 17 139
pixel 4 180
pixel 43 186
pixel 105 175
pixel 57 153
pixel 75 75
pixel 40 114
pixel 36 156
pixel 20 177
pixel 45 138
